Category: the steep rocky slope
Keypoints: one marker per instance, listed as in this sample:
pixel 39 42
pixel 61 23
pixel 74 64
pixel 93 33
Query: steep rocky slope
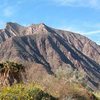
pixel 52 48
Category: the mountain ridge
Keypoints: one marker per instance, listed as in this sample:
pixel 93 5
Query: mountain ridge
pixel 52 48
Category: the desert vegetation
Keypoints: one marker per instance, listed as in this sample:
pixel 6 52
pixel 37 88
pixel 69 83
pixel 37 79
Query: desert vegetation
pixel 66 84
pixel 36 91
pixel 97 94
pixel 24 92
pixel 10 72
pixel 70 75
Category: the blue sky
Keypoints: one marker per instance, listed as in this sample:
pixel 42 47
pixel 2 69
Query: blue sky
pixel 82 16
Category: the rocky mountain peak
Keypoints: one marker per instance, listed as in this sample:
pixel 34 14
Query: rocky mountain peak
pixel 11 24
pixel 41 25
pixel 18 30
pixel 38 28
pixel 14 28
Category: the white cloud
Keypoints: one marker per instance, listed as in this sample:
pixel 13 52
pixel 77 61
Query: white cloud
pixel 8 11
pixel 98 42
pixel 79 3
pixel 91 32
pixel 93 35
pixel 9 8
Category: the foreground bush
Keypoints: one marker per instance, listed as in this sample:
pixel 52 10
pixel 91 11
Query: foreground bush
pixel 97 94
pixel 24 92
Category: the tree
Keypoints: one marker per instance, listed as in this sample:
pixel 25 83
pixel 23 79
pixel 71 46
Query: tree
pixel 10 72
pixel 70 75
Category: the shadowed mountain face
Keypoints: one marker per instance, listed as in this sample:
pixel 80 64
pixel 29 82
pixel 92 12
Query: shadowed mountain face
pixel 51 48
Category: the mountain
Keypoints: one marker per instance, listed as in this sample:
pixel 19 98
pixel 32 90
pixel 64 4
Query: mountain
pixel 49 49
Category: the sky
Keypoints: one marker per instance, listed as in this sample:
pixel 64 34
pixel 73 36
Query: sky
pixel 80 16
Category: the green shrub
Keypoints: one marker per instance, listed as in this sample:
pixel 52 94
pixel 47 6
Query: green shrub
pixel 97 94
pixel 24 92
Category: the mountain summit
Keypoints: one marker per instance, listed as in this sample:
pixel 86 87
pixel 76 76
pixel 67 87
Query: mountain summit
pixel 51 48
